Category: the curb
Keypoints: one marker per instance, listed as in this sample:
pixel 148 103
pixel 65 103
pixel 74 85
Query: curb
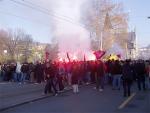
pixel 36 99
pixel 31 100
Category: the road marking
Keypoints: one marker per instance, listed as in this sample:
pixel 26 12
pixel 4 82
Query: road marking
pixel 126 101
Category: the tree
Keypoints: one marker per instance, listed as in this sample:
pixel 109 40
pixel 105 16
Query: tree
pixel 25 46
pixel 16 42
pixel 105 19
pixel 10 40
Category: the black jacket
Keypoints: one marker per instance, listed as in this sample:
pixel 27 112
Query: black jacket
pixel 140 70
pixel 50 72
pixel 127 73
pixel 74 79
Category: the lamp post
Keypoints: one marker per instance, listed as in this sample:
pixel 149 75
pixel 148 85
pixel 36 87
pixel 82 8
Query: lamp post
pixel 5 54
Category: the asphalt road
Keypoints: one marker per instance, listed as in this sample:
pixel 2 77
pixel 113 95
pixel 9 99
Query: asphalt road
pixel 88 101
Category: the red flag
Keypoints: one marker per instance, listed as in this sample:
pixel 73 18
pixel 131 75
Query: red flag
pixel 119 56
pixel 99 54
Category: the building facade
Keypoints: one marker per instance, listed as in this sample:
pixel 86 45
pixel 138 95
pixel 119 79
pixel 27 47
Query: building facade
pixel 131 45
pixel 144 53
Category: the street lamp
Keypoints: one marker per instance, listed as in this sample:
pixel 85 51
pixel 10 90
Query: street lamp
pixel 5 51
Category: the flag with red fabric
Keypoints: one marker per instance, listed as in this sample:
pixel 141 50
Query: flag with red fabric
pixel 119 56
pixel 99 54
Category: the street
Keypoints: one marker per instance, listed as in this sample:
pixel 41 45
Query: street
pixel 74 56
pixel 88 101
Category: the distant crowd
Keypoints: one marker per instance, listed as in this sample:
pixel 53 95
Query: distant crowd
pixel 58 75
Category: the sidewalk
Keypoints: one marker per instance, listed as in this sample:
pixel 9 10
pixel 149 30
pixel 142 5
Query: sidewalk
pixel 13 94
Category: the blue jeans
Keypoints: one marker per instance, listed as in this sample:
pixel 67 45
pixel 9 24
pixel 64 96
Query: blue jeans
pixel 147 82
pixel 141 82
pixel 106 78
pixel 1 76
pixel 15 78
pixel 88 76
pixel 117 81
pixel 100 82
pixel 22 77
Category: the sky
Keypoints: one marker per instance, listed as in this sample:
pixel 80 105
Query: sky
pixel 138 12
pixel 41 26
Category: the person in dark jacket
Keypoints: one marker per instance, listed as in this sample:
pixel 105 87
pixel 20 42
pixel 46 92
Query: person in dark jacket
pixel 24 72
pixel 39 72
pixel 32 72
pixel 100 70
pixel 117 68
pixel 8 72
pixel 127 77
pixel 50 75
pixel 75 78
pixel 140 75
pixel 60 76
pixel 13 72
pixel 93 68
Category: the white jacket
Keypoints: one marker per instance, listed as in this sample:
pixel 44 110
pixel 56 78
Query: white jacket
pixel 18 68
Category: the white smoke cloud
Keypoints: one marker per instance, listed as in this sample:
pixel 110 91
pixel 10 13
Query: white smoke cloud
pixel 117 49
pixel 71 36
pixel 62 23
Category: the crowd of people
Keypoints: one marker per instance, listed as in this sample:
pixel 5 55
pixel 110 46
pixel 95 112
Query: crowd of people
pixel 58 75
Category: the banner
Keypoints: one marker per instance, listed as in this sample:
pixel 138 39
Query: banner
pixel 99 54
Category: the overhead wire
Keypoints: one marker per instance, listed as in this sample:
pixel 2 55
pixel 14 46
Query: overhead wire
pixel 47 13
pixel 23 18
pixel 48 10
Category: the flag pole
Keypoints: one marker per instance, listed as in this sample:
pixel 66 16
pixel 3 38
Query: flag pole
pixel 68 56
pixel 101 41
